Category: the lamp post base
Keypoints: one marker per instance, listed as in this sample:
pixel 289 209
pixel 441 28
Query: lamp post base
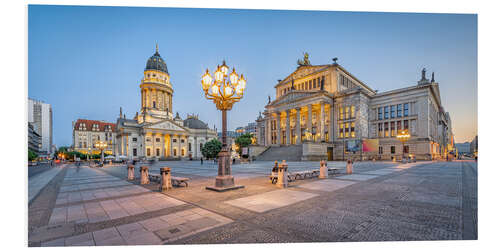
pixel 224 181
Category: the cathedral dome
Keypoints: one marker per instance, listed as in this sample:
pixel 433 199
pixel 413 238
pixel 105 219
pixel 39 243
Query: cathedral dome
pixel 194 123
pixel 155 62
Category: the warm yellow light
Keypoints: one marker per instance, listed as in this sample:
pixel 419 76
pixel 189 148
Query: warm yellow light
pixel 215 90
pixel 228 91
pixel 167 78
pixel 218 74
pixel 233 77
pixel 206 80
pixel 242 82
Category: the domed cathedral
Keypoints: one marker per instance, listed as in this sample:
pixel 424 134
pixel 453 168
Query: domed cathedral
pixel 156 91
pixel 154 133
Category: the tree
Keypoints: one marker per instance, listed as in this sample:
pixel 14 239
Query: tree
pixel 31 155
pixel 243 141
pixel 211 149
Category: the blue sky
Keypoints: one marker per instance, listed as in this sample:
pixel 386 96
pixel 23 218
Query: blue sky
pixel 88 61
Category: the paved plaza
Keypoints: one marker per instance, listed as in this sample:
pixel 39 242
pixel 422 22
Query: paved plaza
pixel 381 201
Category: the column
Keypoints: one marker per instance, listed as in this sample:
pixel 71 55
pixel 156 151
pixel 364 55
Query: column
pixel 288 141
pixel 331 127
pixel 268 131
pixel 322 121
pixel 309 118
pixel 297 127
pixel 278 125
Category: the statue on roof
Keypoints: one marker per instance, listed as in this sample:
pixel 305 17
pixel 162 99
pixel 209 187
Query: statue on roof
pixel 305 61
pixel 269 99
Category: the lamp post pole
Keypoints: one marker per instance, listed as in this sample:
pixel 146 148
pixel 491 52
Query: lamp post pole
pixel 224 90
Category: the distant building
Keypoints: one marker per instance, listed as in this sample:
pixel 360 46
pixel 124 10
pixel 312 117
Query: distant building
pixel 251 128
pixel 40 115
pixel 463 148
pixel 473 146
pixel 87 132
pixel 34 139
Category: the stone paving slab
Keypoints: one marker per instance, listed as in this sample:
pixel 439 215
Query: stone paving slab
pixel 356 177
pixel 39 181
pixel 383 171
pixel 266 201
pixel 327 185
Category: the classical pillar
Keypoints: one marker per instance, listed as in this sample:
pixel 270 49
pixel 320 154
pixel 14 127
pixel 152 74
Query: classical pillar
pixel 331 127
pixel 288 132
pixel 322 121
pixel 278 124
pixel 268 131
pixel 298 131
pixel 309 118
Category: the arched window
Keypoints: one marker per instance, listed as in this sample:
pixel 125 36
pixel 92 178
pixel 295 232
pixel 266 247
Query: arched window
pixel 154 104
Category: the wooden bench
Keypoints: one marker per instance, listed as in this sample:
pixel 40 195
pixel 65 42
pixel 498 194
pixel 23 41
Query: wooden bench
pixel 333 170
pixel 176 181
pixel 274 177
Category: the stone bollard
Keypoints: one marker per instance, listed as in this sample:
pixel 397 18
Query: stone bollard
pixel 282 175
pixel 131 170
pixel 348 168
pixel 323 170
pixel 404 160
pixel 166 179
pixel 144 175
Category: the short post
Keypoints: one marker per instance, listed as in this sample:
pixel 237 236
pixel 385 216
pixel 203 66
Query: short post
pixel 323 170
pixel 348 169
pixel 144 175
pixel 131 170
pixel 166 179
pixel 282 175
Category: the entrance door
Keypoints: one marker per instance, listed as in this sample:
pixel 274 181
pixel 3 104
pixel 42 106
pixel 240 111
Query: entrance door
pixel 329 152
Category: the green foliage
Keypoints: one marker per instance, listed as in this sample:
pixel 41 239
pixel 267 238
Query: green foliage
pixel 243 141
pixel 211 148
pixel 31 155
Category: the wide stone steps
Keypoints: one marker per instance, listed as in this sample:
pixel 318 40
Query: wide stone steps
pixel 288 153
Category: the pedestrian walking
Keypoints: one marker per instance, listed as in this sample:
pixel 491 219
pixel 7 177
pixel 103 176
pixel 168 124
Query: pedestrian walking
pixel 201 159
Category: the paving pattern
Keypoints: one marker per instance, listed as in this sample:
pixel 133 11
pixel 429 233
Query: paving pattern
pixel 381 201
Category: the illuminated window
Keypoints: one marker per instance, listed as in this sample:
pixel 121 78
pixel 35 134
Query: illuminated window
pixel 182 152
pixel 148 151
pixel 157 152
pixel 380 130
pixel 353 133
pixel 353 110
pixel 346 112
pixel 386 129
pixel 393 129
pixel 341 130
pixel 341 112
pixel 175 152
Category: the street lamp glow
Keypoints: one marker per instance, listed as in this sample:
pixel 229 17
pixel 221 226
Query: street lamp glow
pixel 403 136
pixel 224 91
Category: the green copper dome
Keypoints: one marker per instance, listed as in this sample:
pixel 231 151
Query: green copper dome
pixel 155 62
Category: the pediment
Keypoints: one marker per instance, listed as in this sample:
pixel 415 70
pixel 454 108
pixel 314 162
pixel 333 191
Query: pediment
pixel 292 96
pixel 166 125
pixel 303 71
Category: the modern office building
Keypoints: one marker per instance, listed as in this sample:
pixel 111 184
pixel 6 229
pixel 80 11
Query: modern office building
pixel 40 116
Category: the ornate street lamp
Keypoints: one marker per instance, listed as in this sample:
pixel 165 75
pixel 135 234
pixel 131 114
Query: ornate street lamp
pixel 224 90
pixel 403 136
pixel 101 145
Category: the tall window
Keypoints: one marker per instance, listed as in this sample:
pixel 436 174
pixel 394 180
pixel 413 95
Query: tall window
pixel 380 129
pixel 380 113
pixel 386 129
pixel 201 146
pixel 405 124
pixel 157 152
pixel 148 152
pixel 314 83
pixel 341 130
pixel 393 149
pixel 346 112
pixel 393 129
pixel 134 151
pixel 406 109
pixel 380 150
pixel 353 133
pixel 393 111
pixel 353 110
pixel 400 110
pixel 398 126
pixel 341 112
pixel 386 112
pixel 175 152
pixel 189 146
pixel 406 149
pixel 154 104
